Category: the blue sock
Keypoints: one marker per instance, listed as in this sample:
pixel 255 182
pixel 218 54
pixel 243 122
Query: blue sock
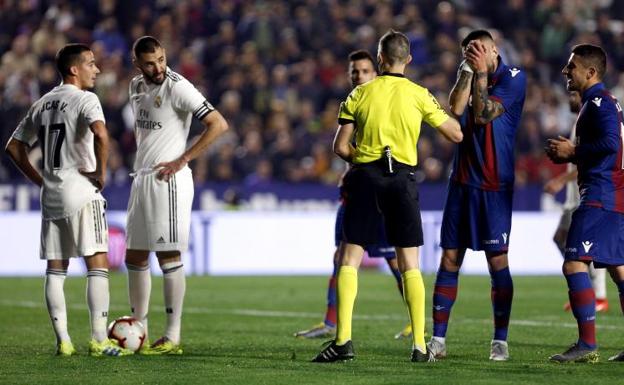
pixel 620 286
pixel 583 302
pixel 502 297
pixel 330 313
pixel 444 295
pixel 397 277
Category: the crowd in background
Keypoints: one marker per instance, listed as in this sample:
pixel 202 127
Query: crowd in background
pixel 277 70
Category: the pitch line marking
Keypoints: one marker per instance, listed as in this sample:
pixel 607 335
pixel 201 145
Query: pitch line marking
pixel 293 314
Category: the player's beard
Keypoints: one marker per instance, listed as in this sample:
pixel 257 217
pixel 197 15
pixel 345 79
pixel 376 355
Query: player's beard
pixel 152 78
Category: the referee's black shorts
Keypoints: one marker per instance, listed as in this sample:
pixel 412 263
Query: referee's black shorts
pixel 368 191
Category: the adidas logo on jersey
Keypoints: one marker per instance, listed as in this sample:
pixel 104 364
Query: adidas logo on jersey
pixel 161 240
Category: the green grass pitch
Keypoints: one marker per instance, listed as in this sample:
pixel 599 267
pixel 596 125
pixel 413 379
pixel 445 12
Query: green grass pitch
pixel 238 330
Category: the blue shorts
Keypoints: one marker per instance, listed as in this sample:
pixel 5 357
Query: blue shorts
pixel 381 250
pixel 476 219
pixel 596 235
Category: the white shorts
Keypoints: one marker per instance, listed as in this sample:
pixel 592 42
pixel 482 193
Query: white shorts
pixel 79 235
pixel 159 212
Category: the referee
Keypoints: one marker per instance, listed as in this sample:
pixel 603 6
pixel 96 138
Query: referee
pixel 385 115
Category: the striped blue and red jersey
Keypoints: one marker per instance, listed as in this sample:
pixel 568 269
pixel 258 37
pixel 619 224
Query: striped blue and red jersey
pixel 485 158
pixel 599 150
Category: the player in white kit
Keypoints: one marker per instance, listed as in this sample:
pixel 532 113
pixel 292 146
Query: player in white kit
pixel 159 211
pixel 572 201
pixel 69 124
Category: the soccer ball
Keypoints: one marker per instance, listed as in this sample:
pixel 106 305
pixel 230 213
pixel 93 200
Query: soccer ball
pixel 128 332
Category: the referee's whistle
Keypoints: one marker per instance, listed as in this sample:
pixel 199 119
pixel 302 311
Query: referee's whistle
pixel 388 153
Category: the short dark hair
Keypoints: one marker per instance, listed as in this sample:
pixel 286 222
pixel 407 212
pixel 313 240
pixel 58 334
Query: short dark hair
pixel 592 55
pixel 476 35
pixel 361 54
pixel 395 47
pixel 145 44
pixel 68 56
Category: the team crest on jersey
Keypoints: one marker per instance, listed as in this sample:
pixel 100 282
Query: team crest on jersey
pixel 157 101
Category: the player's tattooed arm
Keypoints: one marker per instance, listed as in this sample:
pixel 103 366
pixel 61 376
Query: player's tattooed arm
pixel 458 98
pixel 485 109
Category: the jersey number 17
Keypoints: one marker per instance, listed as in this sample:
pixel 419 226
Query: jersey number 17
pixel 51 145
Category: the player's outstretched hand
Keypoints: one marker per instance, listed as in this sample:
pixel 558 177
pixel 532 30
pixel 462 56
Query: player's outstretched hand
pixel 97 178
pixel 167 169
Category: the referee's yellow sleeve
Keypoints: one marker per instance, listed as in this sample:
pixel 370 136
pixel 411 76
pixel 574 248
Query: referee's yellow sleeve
pixel 347 108
pixel 432 111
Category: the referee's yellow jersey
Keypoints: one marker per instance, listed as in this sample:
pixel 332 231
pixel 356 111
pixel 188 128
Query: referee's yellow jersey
pixel 388 111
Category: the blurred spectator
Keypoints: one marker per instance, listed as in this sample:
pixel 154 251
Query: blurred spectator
pixel 271 68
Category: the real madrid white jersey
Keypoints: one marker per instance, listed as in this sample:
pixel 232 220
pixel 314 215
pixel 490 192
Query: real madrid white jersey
pixel 162 117
pixel 60 121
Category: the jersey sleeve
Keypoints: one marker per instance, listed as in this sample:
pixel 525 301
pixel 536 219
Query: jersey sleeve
pixel 510 88
pixel 91 109
pixel 347 108
pixel 26 130
pixel 185 97
pixel 605 114
pixel 131 88
pixel 432 112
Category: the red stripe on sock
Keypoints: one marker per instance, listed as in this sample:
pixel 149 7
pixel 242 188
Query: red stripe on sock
pixel 582 297
pixel 447 291
pixel 587 332
pixel 330 315
pixel 501 294
pixel 441 316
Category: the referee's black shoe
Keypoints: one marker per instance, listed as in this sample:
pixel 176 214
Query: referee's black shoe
pixel 418 356
pixel 333 352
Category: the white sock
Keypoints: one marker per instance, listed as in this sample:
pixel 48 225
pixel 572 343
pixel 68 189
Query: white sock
pixel 98 299
pixel 55 299
pixel 139 291
pixel 174 288
pixel 599 281
pixel 441 340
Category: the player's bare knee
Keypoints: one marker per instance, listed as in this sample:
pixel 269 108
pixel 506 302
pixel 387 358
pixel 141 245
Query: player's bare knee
pixel 616 273
pixel 337 256
pixel 58 264
pixel 393 263
pixel 97 261
pixel 497 260
pixel 450 261
pixel 573 267
pixel 137 258
pixel 165 257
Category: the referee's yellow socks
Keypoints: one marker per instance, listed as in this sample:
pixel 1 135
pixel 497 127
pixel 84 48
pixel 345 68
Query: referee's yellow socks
pixel 346 290
pixel 414 293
